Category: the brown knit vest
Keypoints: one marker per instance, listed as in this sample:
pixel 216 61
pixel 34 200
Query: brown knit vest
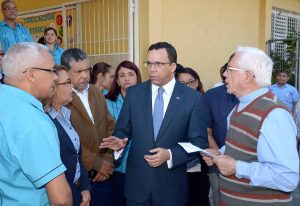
pixel 241 144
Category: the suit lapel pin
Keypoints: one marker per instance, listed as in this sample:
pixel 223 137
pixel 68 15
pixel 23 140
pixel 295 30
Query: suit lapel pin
pixel 178 98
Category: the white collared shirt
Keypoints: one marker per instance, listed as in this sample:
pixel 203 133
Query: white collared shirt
pixel 169 87
pixel 84 97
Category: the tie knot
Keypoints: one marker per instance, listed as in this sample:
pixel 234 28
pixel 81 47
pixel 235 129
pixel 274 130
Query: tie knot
pixel 161 90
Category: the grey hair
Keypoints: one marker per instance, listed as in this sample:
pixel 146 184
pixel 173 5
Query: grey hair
pixel 71 55
pixel 256 61
pixel 20 57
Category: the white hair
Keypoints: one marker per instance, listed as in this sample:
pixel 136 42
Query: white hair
pixel 20 57
pixel 256 61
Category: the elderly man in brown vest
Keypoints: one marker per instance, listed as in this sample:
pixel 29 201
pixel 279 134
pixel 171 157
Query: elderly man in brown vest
pixel 259 164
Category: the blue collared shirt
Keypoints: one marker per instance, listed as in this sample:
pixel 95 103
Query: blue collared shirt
pixel 29 149
pixel 114 107
pixel 287 93
pixel 278 162
pixel 10 37
pixel 64 120
pixel 56 54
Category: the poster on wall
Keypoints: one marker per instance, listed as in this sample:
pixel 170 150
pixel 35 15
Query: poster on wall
pixel 37 22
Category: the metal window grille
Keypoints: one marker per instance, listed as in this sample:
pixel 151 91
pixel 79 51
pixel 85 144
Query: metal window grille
pixel 104 29
pixel 285 43
pixel 284 24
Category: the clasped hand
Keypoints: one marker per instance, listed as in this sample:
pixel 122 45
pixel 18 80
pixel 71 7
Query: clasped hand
pixel 157 157
pixel 106 169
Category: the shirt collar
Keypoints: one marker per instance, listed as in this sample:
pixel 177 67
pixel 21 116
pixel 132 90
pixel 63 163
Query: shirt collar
pixel 55 47
pixel 282 86
pixel 21 94
pixel 250 97
pixel 65 112
pixel 2 23
pixel 169 87
pixel 83 92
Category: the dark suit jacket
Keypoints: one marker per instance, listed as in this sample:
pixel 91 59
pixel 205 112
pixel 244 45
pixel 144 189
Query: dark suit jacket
pixel 69 157
pixel 184 121
pixel 91 134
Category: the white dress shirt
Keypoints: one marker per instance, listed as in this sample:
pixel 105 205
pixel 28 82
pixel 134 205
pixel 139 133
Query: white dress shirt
pixel 169 87
pixel 84 97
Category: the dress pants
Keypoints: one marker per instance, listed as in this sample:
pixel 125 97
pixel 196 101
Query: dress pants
pixel 147 203
pixel 118 180
pixel 150 202
pixel 198 186
pixel 213 175
pixel 101 193
pixel 76 194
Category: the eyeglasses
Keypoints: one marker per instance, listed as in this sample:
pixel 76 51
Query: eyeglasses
pixel 234 69
pixel 52 70
pixel 190 82
pixel 155 64
pixel 10 8
pixel 68 82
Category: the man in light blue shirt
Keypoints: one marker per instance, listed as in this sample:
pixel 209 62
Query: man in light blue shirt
pixel 285 92
pixel 11 32
pixel 1 56
pixel 260 165
pixel 31 169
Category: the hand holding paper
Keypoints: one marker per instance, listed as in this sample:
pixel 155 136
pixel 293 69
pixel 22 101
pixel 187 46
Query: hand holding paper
pixel 190 148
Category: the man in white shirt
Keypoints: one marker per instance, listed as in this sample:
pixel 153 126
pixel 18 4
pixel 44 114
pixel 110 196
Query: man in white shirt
pixel 92 121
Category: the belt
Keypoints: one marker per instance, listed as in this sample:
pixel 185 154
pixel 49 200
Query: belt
pixel 77 184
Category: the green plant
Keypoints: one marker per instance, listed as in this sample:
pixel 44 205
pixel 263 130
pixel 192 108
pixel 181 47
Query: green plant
pixel 288 60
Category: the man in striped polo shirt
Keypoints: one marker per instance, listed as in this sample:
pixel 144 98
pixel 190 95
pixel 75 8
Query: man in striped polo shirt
pixel 259 164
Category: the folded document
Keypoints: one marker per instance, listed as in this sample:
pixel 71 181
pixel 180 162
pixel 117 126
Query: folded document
pixel 190 148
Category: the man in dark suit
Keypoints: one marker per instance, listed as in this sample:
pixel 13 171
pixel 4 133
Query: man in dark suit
pixel 156 116
pixel 92 121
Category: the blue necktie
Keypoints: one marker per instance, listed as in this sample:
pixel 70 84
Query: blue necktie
pixel 158 111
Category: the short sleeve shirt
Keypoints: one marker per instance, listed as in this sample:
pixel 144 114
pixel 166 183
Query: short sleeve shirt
pixel 10 37
pixel 288 94
pixel 56 54
pixel 29 149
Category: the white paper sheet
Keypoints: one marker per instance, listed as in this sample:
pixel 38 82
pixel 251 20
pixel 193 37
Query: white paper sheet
pixel 190 148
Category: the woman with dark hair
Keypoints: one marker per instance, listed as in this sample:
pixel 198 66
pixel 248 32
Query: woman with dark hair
pixel 41 40
pixel 50 35
pixel 59 41
pixel 127 74
pixel 189 77
pixel 102 76
pixel 198 180
pixel 70 149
